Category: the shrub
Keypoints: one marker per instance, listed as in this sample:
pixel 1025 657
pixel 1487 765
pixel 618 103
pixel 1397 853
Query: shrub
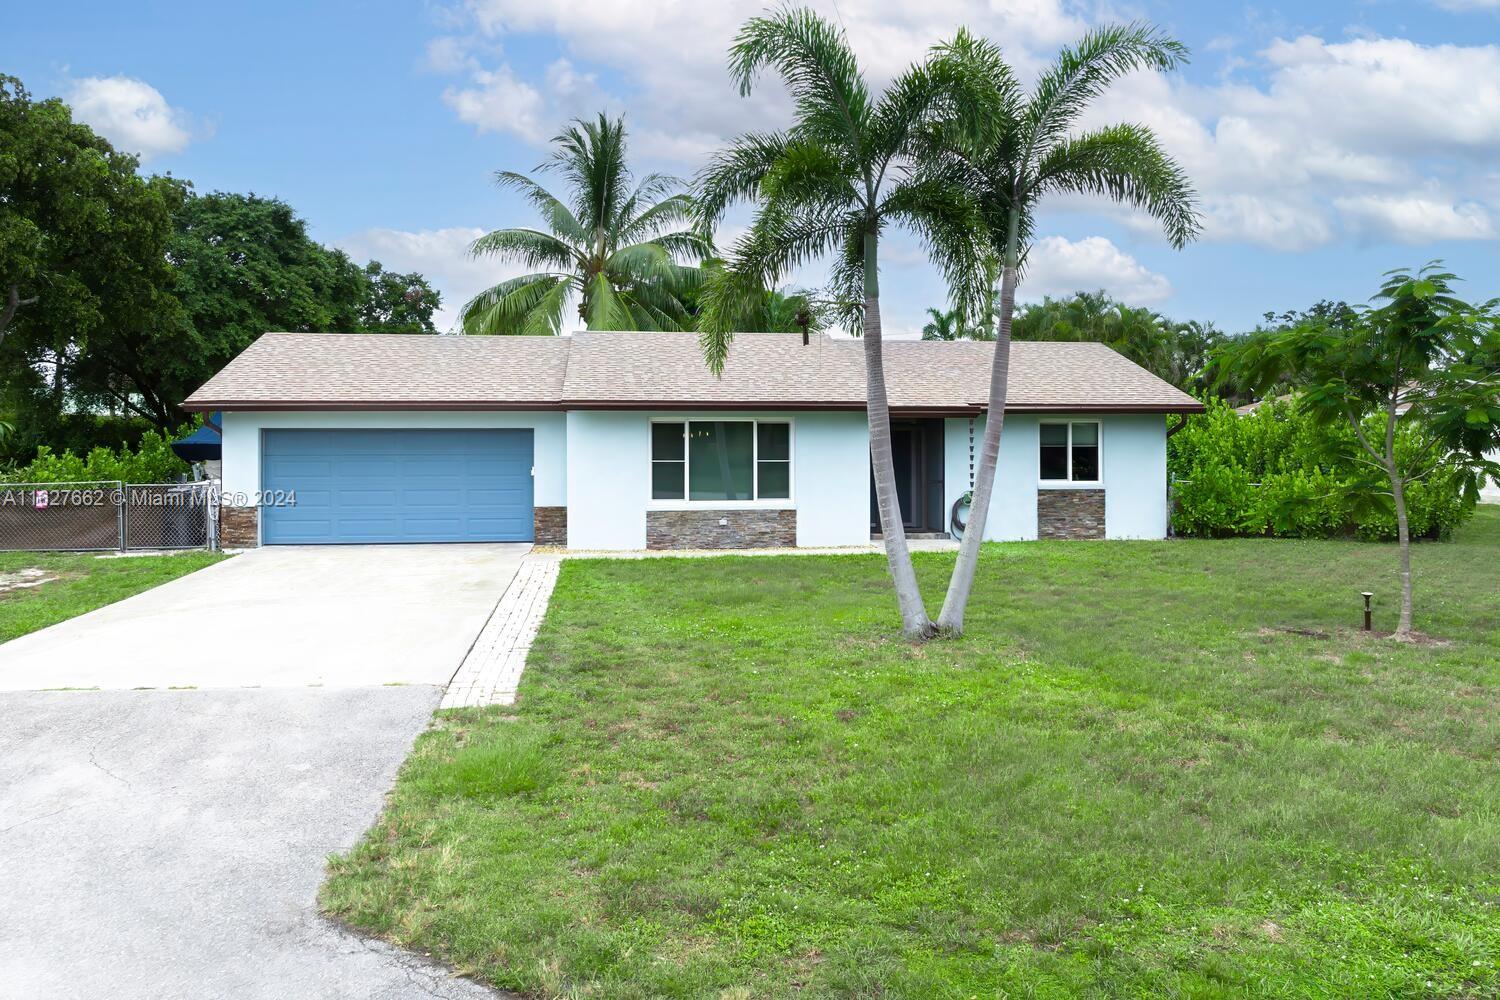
pixel 1275 472
pixel 153 461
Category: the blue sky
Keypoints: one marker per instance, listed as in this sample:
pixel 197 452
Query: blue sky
pixel 1329 141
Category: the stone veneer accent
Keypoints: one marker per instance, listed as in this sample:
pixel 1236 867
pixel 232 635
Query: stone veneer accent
pixel 700 529
pixel 550 525
pixel 239 527
pixel 1069 513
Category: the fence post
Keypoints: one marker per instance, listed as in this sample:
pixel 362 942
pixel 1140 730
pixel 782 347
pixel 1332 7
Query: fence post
pixel 120 511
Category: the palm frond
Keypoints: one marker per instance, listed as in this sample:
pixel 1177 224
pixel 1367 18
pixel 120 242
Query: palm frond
pixel 591 155
pixel 952 227
pixel 817 65
pixel 1126 163
pixel 1082 72
pixel 527 247
pixel 735 174
pixel 559 218
pixel 676 210
pixel 604 310
pixel 516 306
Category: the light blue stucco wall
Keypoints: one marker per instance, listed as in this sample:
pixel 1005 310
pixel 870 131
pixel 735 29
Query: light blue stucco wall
pixel 597 463
pixel 1133 473
pixel 242 435
pixel 609 469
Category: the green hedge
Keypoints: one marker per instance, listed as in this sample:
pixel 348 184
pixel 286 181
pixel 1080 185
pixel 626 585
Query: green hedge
pixel 1274 472
pixel 152 462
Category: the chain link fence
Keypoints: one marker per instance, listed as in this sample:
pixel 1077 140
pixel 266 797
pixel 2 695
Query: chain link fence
pixel 108 516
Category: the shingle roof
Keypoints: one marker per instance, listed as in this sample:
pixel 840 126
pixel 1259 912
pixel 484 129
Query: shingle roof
pixel 293 371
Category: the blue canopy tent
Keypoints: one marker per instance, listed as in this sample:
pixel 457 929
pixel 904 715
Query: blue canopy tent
pixel 206 444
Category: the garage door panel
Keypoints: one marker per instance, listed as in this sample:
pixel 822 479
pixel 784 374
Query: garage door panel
pixel 399 485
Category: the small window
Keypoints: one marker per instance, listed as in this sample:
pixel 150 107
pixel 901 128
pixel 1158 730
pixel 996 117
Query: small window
pixel 729 460
pixel 668 461
pixel 1070 451
pixel 773 461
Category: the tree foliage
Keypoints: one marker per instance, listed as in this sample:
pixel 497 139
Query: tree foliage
pixel 1276 471
pixel 81 233
pixel 829 185
pixel 1177 351
pixel 1008 149
pixel 1415 379
pixel 624 251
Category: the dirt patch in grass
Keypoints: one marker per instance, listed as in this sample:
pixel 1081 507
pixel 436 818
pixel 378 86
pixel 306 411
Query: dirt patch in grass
pixel 25 579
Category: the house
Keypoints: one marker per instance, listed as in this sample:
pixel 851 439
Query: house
pixel 626 441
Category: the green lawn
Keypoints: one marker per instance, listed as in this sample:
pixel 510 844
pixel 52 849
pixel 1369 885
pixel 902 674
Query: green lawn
pixel 82 583
pixel 726 778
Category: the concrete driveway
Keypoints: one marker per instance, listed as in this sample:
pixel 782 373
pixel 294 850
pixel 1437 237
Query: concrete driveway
pixel 284 616
pixel 169 843
pixel 157 845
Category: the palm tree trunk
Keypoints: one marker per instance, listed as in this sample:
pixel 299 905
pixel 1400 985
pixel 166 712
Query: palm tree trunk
pixel 961 584
pixel 1403 539
pixel 914 621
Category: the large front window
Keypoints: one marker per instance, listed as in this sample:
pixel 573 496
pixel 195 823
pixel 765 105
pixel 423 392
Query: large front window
pixel 1070 451
pixel 725 460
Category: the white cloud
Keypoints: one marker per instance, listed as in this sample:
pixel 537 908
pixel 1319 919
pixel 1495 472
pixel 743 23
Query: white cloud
pixel 1354 124
pixel 670 56
pixel 130 113
pixel 441 255
pixel 1057 266
pixel 499 101
pixel 1416 219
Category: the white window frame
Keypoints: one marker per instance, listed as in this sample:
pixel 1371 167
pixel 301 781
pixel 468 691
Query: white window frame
pixel 773 503
pixel 1070 482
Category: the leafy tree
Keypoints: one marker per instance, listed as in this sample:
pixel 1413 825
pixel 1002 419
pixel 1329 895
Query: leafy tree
pixel 80 231
pixel 831 183
pixel 772 310
pixel 1421 369
pixel 624 252
pixel 397 303
pixel 1175 351
pixel 951 324
pixel 241 265
pixel 1016 150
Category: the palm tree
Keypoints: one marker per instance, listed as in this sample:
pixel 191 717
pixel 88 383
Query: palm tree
pixel 829 185
pixel 626 254
pixel 1022 148
pixel 943 325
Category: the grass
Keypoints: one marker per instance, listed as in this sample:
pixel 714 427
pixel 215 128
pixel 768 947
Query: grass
pixel 82 583
pixel 725 778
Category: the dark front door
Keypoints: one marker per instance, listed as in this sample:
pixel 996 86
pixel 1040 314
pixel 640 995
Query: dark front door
pixel 917 453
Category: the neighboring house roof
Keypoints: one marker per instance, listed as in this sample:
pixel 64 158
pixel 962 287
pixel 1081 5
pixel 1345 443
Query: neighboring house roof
pixel 298 371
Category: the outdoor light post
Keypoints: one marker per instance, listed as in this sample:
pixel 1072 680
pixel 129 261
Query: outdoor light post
pixel 1367 595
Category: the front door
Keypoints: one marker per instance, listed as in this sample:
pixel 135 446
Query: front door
pixel 917 454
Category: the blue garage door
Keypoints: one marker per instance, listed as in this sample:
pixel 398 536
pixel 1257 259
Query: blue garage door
pixel 398 486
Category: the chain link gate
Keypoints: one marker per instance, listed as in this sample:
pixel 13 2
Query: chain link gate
pixel 108 515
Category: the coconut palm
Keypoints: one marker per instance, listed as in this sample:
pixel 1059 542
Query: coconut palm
pixel 1024 147
pixel 625 252
pixel 830 184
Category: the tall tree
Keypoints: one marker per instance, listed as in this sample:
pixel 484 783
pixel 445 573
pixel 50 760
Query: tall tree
pixel 1018 150
pixel 831 183
pixel 626 252
pixel 1423 364
pixel 397 303
pixel 952 324
pixel 82 252
pixel 241 265
pixel 1176 351
pixel 74 216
